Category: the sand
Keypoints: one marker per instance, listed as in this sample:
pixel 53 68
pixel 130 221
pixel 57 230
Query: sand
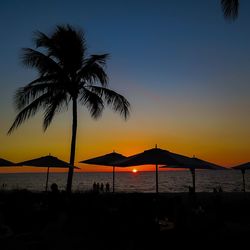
pixel 121 221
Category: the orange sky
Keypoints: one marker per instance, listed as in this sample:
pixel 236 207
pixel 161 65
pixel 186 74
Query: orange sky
pixel 211 143
pixel 207 141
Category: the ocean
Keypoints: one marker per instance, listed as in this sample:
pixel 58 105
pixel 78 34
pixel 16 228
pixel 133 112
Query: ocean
pixel 169 181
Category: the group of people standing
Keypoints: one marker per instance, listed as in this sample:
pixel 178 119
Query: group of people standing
pixel 97 187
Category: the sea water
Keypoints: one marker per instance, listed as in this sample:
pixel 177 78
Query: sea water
pixel 169 181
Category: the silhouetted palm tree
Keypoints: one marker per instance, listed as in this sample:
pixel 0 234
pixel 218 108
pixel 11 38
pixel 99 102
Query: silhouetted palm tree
pixel 65 75
pixel 230 8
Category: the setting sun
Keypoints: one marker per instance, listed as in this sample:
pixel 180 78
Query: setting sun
pixel 134 170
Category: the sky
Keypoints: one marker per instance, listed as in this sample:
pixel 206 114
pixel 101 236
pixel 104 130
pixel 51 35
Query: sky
pixel 183 67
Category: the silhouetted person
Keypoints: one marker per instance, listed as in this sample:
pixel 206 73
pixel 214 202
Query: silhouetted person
pixel 98 187
pixel 191 190
pixel 107 187
pixel 102 187
pixel 94 187
pixel 54 198
pixel 4 186
pixel 54 188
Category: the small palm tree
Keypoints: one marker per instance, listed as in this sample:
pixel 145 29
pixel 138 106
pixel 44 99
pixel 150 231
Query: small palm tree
pixel 230 8
pixel 65 75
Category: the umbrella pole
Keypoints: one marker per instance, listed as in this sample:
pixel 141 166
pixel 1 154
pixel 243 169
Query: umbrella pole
pixel 193 177
pixel 243 178
pixel 47 180
pixel 113 179
pixel 156 177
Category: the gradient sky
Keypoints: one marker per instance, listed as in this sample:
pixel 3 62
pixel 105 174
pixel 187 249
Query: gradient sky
pixel 183 67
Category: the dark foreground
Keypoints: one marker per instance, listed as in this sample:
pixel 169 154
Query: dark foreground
pixel 122 221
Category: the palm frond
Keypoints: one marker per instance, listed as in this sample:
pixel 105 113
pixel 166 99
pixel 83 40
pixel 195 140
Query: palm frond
pixel 51 78
pixel 43 63
pixel 29 111
pixel 93 102
pixel 98 59
pixel 69 47
pixel 57 104
pixel 28 93
pixel 230 8
pixel 93 70
pixel 116 101
pixel 42 40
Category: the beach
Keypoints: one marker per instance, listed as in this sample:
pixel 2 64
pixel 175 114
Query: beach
pixel 121 221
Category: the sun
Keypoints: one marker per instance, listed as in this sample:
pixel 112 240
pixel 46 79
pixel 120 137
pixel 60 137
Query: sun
pixel 134 170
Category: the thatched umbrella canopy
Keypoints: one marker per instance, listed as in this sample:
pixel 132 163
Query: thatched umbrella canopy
pixel 194 163
pixel 48 161
pixel 243 167
pixel 106 160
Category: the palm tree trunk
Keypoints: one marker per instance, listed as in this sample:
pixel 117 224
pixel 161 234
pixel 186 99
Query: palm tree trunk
pixel 193 178
pixel 73 146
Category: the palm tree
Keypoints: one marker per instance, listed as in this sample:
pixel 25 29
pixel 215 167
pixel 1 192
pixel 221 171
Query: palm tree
pixel 65 75
pixel 230 8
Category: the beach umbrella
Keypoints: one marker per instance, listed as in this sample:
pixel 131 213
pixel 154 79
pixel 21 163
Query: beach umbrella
pixel 6 163
pixel 192 164
pixel 154 156
pixel 243 167
pixel 106 160
pixel 48 162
